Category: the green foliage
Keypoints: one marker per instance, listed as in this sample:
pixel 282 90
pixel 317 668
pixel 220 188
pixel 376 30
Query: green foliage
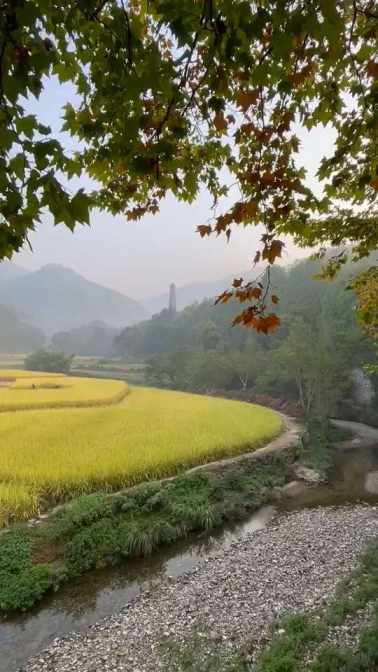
pixel 23 590
pixel 44 360
pixel 317 444
pixel 81 512
pixel 90 546
pixel 173 97
pixel 22 584
pixel 309 361
pixel 14 552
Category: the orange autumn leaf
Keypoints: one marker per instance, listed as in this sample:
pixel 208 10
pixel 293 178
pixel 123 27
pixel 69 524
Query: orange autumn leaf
pixel 245 99
pixel 220 122
pixel 224 297
pixel 244 211
pixel 266 324
pixel 372 69
pixel 223 221
pixel 374 183
pixel 204 230
pixel 272 251
pixel 237 282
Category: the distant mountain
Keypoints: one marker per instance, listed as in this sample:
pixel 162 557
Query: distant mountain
pixel 16 335
pixel 56 298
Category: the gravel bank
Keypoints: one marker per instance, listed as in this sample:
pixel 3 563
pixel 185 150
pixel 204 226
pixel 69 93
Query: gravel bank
pixel 234 595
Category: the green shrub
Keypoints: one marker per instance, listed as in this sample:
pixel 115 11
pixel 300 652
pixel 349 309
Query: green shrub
pixel 21 583
pixel 14 552
pixel 89 546
pixel 23 590
pixel 80 513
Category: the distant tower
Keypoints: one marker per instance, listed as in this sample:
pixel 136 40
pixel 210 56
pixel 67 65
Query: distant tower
pixel 172 299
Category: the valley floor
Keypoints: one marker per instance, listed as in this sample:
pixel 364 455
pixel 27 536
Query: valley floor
pixel 231 598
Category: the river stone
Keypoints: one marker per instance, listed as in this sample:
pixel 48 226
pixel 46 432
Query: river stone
pixel 293 489
pixel 307 474
pixel 371 482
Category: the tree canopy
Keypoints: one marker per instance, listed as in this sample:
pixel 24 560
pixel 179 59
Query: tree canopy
pixel 175 97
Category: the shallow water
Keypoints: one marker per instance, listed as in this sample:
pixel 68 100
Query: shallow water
pixel 104 592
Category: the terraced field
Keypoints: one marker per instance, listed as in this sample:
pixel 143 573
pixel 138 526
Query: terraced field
pixel 25 390
pixel 51 454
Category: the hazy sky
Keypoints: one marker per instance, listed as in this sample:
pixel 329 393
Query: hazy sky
pixel 142 258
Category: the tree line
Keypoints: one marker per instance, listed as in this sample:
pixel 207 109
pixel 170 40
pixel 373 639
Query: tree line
pixel 310 360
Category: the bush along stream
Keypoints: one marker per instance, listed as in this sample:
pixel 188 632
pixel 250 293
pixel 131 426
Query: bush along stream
pixel 98 530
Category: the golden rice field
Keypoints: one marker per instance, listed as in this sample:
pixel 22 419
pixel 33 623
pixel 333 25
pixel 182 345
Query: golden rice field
pixel 24 390
pixel 51 455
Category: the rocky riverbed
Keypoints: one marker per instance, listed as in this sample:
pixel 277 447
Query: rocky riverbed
pixel 231 597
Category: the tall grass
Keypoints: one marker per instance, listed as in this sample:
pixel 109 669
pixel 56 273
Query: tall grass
pixel 152 433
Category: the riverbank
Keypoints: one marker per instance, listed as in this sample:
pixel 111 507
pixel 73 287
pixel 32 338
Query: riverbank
pixel 101 530
pixel 233 597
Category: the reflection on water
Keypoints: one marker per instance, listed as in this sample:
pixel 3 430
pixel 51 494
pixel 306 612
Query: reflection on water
pixel 107 591
pixel 347 481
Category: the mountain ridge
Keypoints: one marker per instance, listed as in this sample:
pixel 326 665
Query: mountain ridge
pixel 56 297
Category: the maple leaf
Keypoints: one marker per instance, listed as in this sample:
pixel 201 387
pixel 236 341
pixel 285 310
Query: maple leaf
pixel 265 324
pixel 255 293
pixel 268 179
pixel 237 282
pixel 250 208
pixel 244 211
pixel 272 251
pixel 204 230
pixel 223 221
pixel 224 297
pixel 247 98
pixel 220 122
pixel 372 69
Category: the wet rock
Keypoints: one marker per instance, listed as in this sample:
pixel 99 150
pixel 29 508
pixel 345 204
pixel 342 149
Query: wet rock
pixel 307 474
pixel 293 489
pixel 371 482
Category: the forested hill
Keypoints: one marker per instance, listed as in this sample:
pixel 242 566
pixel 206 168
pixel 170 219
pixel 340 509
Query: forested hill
pixel 310 358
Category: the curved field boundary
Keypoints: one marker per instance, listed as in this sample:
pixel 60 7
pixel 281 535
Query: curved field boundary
pixel 57 405
pixel 11 375
pixel 152 434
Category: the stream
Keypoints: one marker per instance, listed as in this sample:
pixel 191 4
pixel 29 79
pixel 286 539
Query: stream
pixel 104 592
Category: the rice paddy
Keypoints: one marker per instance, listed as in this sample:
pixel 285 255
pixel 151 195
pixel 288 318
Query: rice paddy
pixel 26 390
pixel 51 454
